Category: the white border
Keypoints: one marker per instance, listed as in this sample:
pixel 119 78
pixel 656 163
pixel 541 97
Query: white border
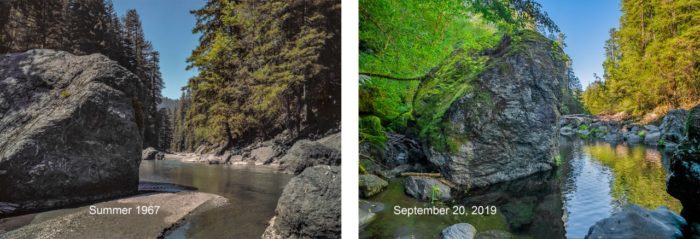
pixel 350 133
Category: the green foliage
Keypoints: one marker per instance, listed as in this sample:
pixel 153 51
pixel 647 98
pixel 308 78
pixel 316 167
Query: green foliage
pixel 264 67
pixel 557 160
pixel 583 127
pixel 371 131
pixel 435 194
pixel 642 133
pixel 651 60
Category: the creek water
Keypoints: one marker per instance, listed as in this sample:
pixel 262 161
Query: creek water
pixel 594 180
pixel 252 192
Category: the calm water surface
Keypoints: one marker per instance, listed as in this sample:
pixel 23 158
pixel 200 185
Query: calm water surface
pixel 252 193
pixel 595 180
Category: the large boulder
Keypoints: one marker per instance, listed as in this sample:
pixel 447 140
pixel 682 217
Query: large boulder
pixel 68 129
pixel 671 127
pixel 309 206
pixel 305 153
pixel 427 189
pixel 506 126
pixel 684 181
pixel 636 222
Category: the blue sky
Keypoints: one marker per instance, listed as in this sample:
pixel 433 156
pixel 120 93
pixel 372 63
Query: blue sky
pixel 585 24
pixel 168 25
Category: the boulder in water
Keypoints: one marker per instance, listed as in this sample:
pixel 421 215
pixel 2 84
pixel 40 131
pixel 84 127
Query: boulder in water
pixel 684 181
pixel 371 185
pixel 458 231
pixel 305 153
pixel 427 189
pixel 68 131
pixel 672 127
pixel 636 222
pixel 151 153
pixel 309 206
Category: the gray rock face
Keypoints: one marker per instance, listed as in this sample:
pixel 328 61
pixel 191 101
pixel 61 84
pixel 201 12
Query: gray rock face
pixel 684 182
pixel 458 231
pixel 309 206
pixel 672 126
pixel 370 185
pixel 632 138
pixel 425 188
pixel 68 130
pixel 305 154
pixel 636 222
pixel 398 150
pixel 151 154
pixel 652 138
pixel 507 127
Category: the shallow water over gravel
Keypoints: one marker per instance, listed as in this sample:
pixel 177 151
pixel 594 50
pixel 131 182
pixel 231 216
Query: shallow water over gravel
pixel 252 192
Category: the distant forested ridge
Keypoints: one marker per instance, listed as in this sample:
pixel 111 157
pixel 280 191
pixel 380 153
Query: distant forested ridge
pixel 265 67
pixel 652 61
pixel 84 27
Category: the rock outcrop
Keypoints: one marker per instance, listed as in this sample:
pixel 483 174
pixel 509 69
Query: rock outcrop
pixel 68 129
pixel 309 206
pixel 305 153
pixel 506 127
pixel 684 182
pixel 636 222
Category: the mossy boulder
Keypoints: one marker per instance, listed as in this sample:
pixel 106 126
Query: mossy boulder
pixel 371 185
pixel 503 125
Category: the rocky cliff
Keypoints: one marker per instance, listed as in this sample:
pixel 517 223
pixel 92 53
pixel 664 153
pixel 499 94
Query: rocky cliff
pixel 505 126
pixel 68 131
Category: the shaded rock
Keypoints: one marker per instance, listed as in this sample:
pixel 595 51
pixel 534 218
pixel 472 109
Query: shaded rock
pixel 370 185
pixel 632 138
pixel 68 129
pixel 458 231
pixel 652 138
pixel 684 181
pixel 398 150
pixel 507 127
pixel 263 155
pixel 494 234
pixel 636 222
pixel 366 217
pixel 651 128
pixel 566 131
pixel 613 138
pixel 425 188
pixel 305 154
pixel 309 206
pixel 332 141
pixel 151 153
pixel 672 126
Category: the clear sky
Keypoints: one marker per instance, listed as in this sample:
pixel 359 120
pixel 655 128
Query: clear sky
pixel 586 24
pixel 168 25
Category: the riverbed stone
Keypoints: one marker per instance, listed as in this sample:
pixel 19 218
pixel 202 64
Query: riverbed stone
pixel 636 222
pixel 494 234
pixel 305 153
pixel 68 131
pixel 566 131
pixel 458 231
pixel 309 206
pixel 423 188
pixel 368 211
pixel 151 153
pixel 507 127
pixel 652 138
pixel 371 185
pixel 632 138
pixel 520 212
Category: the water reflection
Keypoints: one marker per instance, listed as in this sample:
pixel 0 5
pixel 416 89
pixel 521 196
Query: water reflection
pixel 252 192
pixel 594 181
